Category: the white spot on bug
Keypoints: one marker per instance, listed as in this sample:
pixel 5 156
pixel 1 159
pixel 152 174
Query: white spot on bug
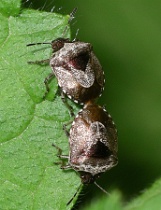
pixel 69 96
pixel 104 109
pixel 76 101
pixel 85 106
pixel 70 132
pixel 73 123
pixel 109 116
pixel 77 116
pixel 64 91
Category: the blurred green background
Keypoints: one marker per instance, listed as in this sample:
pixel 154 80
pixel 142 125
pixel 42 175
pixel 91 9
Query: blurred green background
pixel 126 36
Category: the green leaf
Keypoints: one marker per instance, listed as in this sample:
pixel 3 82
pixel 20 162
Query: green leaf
pixel 28 124
pixel 112 202
pixel 9 8
pixel 150 199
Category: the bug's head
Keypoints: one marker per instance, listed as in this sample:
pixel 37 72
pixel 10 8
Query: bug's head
pixel 58 43
pixel 88 178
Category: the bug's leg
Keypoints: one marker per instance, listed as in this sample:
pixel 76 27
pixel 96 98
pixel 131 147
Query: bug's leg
pixel 46 82
pixel 59 155
pixel 70 108
pixel 79 188
pixel 46 61
pixel 65 127
pixel 57 93
pixel 48 78
pixel 60 152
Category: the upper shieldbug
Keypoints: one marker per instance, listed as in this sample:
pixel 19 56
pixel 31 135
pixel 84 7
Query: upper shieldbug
pixel 79 73
pixel 77 69
pixel 92 142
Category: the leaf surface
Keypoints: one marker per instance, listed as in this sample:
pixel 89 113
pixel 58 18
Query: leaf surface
pixel 29 125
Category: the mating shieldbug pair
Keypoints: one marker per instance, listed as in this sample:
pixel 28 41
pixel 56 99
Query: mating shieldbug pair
pixel 93 135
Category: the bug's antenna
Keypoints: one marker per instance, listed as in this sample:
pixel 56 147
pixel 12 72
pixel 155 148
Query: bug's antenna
pixel 74 194
pixel 101 188
pixel 38 43
pixel 76 35
pixel 71 17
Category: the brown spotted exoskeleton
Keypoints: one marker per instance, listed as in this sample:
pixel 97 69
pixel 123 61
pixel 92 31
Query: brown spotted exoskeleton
pixel 92 143
pixel 77 69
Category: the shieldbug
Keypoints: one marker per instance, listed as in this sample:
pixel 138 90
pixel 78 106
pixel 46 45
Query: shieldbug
pixel 79 73
pixel 92 142
pixel 77 69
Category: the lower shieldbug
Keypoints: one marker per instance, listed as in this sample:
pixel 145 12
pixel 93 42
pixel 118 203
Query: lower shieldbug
pixel 92 142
